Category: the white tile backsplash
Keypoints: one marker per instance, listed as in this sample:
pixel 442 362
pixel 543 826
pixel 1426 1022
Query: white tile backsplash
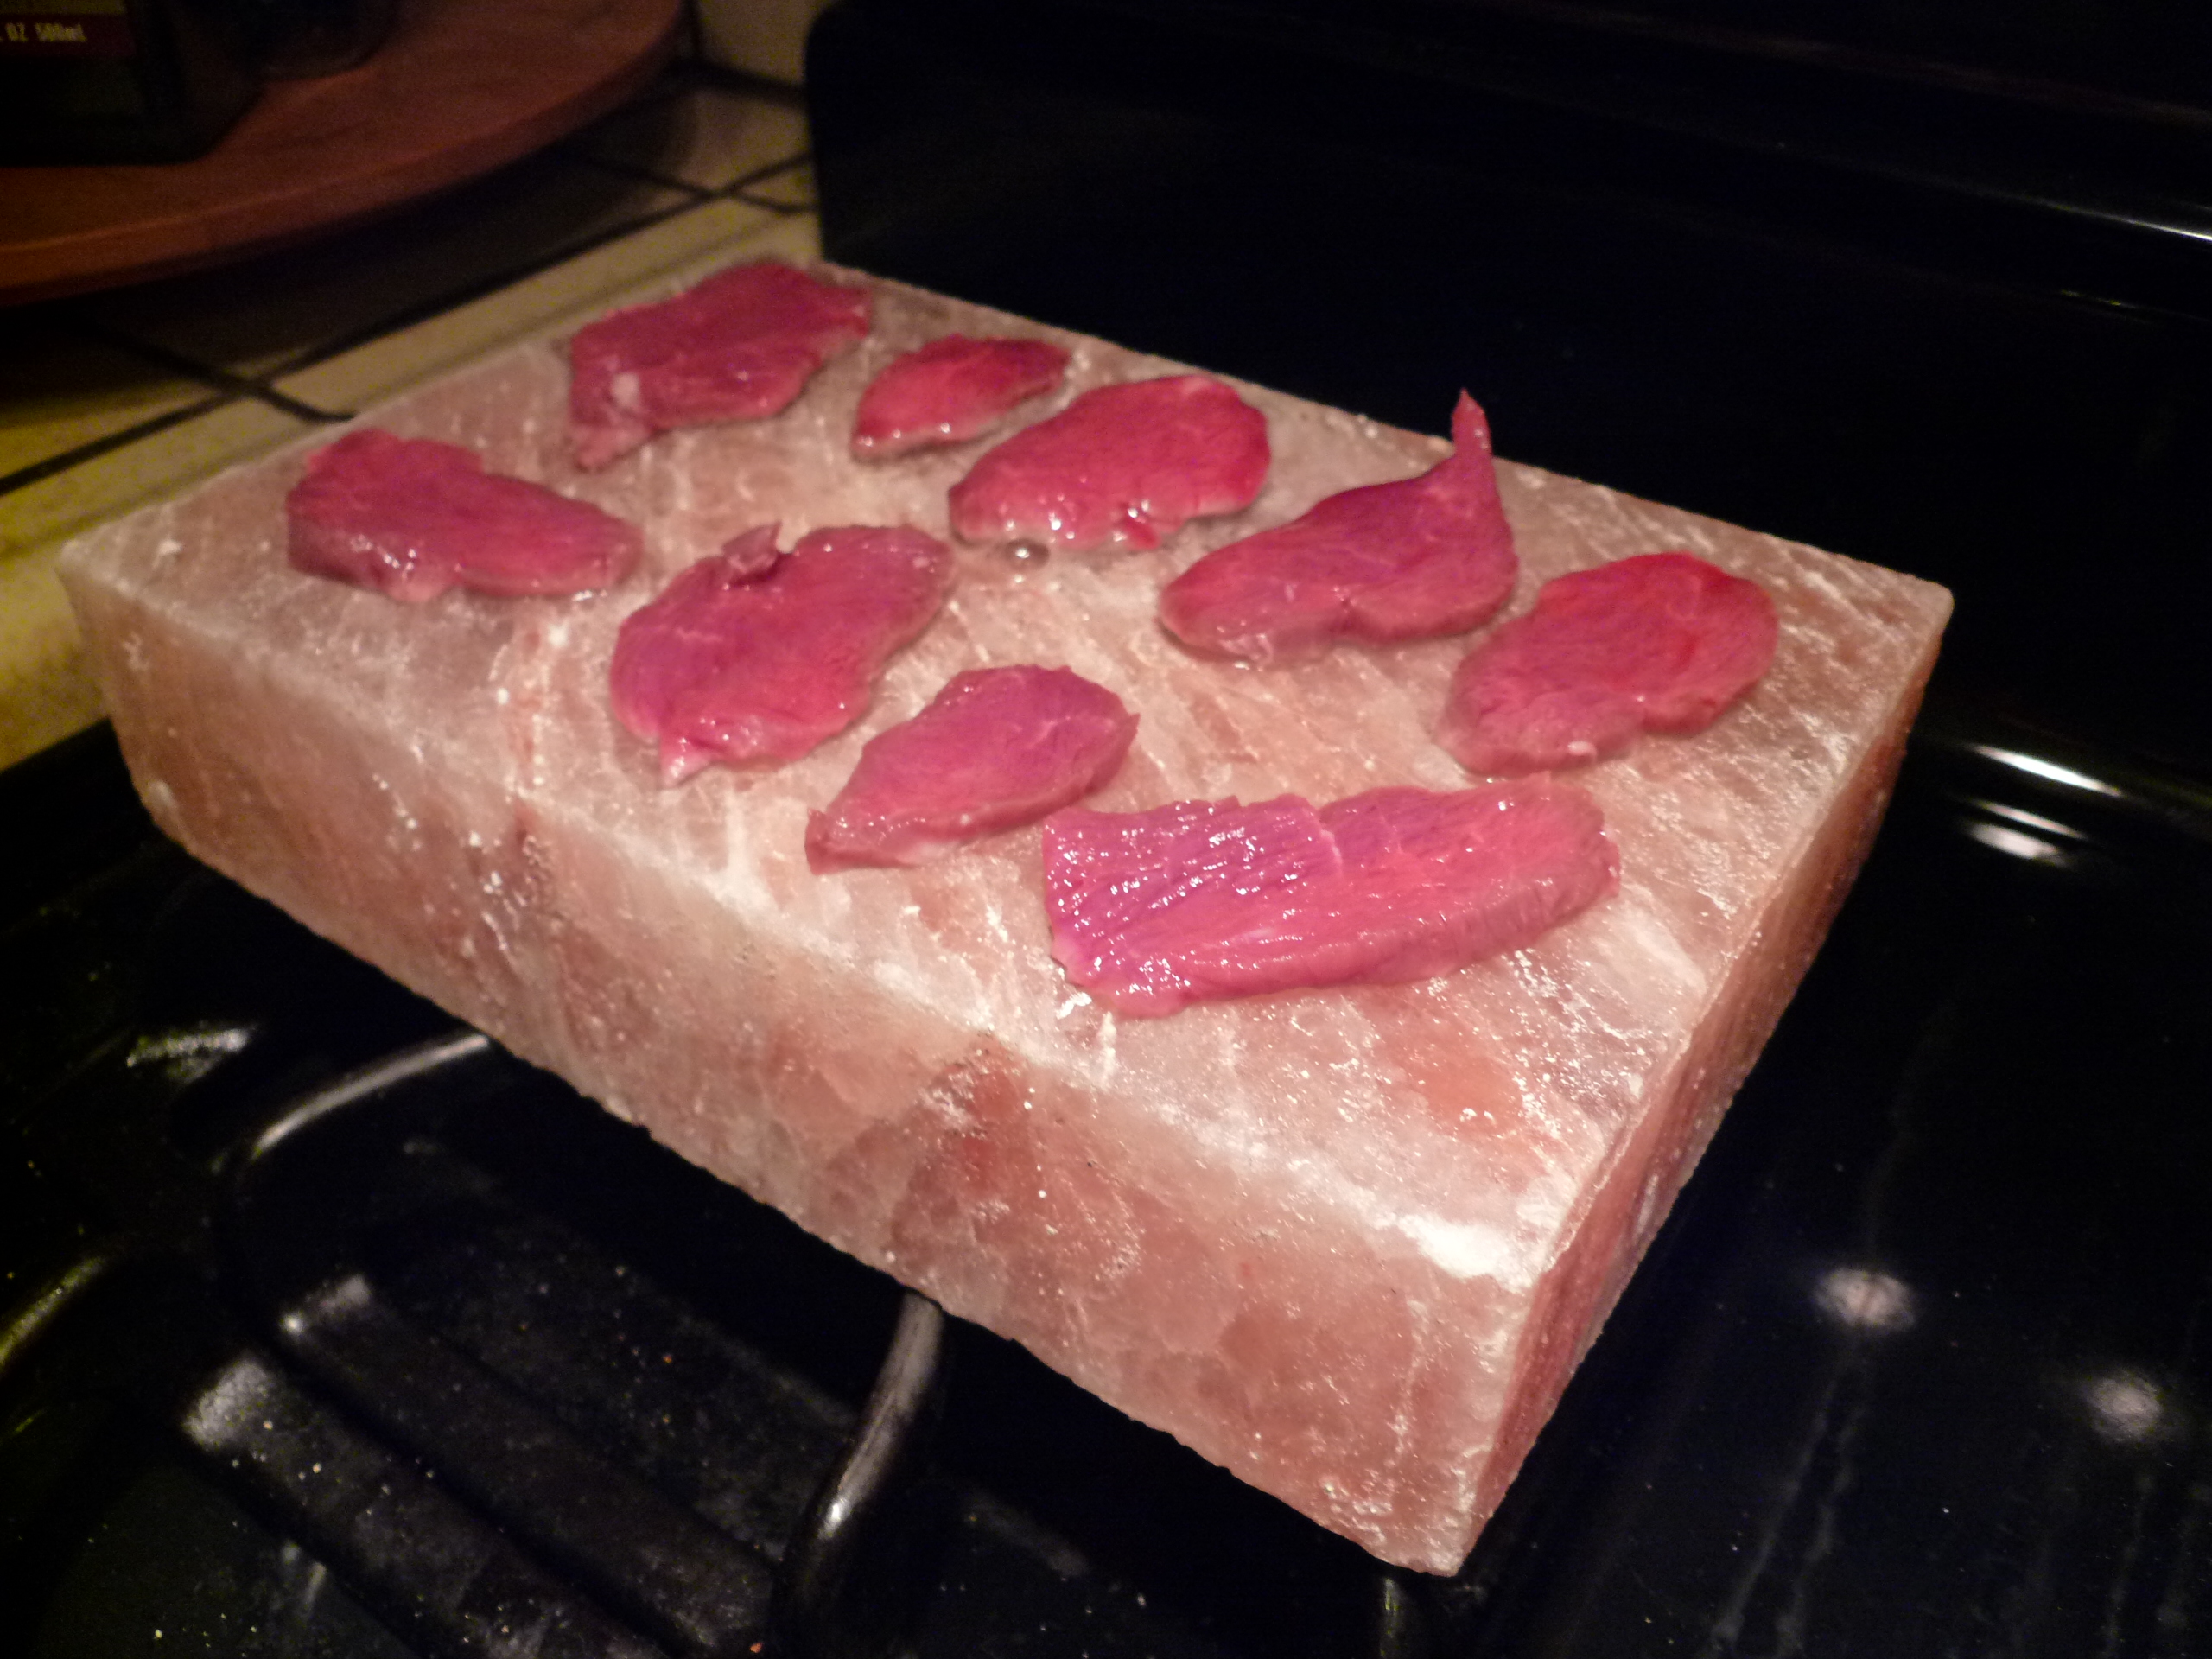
pixel 761 37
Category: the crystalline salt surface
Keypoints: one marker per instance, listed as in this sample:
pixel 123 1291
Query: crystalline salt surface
pixel 1348 1243
pixel 997 747
pixel 1659 643
pixel 410 519
pixel 952 389
pixel 1398 561
pixel 748 658
pixel 1154 911
pixel 738 347
pixel 1123 466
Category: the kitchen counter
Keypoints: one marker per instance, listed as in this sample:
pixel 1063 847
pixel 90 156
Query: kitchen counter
pixel 113 400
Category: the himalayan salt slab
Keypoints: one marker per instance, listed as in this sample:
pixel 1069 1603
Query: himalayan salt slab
pixel 1348 1243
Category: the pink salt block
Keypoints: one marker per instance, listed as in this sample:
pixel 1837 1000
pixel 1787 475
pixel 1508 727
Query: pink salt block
pixel 1660 643
pixel 951 390
pixel 748 657
pixel 411 517
pixel 1123 467
pixel 738 347
pixel 1347 1242
pixel 997 747
pixel 1154 911
pixel 1387 562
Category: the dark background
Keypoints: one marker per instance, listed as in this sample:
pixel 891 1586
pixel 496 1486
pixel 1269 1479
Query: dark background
pixel 1925 285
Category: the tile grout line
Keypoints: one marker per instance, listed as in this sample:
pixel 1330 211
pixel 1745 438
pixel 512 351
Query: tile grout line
pixel 225 387
pixel 38 471
pixel 735 191
pixel 788 210
pixel 762 174
pixel 700 192
pixel 467 295
pixel 631 170
pixel 261 387
pixel 706 73
pixel 235 385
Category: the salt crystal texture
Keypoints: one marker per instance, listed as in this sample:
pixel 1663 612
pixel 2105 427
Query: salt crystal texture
pixel 1348 1244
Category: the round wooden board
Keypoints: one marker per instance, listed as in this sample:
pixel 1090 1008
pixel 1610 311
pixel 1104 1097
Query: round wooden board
pixel 461 87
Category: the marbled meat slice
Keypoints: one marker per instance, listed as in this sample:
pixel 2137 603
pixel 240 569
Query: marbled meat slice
pixel 1661 643
pixel 1123 466
pixel 951 390
pixel 739 346
pixel 996 748
pixel 410 518
pixel 1403 561
pixel 1199 899
pixel 746 658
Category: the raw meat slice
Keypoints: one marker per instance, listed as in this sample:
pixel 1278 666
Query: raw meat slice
pixel 747 657
pixel 1402 561
pixel 1350 1243
pixel 1661 643
pixel 951 390
pixel 739 346
pixel 997 747
pixel 410 518
pixel 1153 911
pixel 1123 466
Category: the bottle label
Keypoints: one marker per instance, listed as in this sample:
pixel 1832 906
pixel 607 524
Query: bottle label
pixel 64 28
